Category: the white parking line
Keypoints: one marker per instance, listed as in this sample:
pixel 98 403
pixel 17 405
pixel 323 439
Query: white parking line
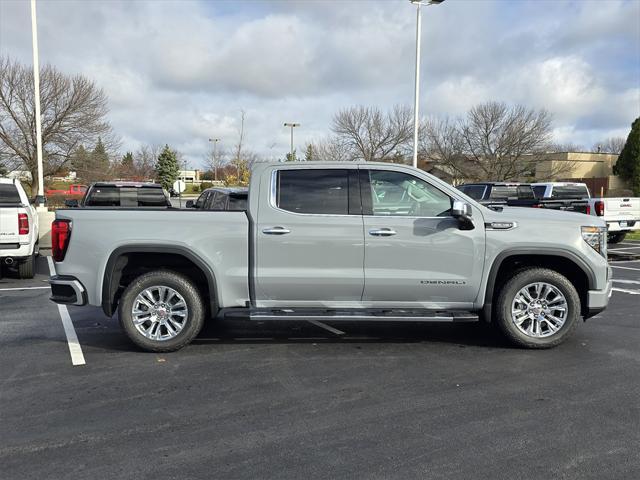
pixel 624 248
pixel 620 280
pixel 23 288
pixel 624 290
pixel 625 268
pixel 77 357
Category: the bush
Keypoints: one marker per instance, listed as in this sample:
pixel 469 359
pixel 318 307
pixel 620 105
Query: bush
pixel 205 185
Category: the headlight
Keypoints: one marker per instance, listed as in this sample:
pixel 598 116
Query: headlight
pixel 596 237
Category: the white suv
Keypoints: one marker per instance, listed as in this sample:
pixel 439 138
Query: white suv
pixel 18 229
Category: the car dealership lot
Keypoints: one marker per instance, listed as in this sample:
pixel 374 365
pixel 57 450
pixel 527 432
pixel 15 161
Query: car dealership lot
pixel 279 400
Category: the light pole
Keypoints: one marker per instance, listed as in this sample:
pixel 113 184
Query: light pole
pixel 36 94
pixel 416 92
pixel 292 125
pixel 215 157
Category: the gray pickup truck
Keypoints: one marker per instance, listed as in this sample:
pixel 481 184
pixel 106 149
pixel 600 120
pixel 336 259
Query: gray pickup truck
pixel 332 242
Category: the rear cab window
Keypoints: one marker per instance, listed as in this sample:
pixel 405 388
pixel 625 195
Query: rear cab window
pixel 570 191
pixel 9 194
pixel 114 196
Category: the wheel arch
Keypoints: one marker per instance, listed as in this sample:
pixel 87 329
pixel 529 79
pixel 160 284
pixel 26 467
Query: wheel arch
pixel 569 264
pixel 119 259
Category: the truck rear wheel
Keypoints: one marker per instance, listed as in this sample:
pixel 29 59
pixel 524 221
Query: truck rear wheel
pixel 161 311
pixel 26 268
pixel 616 237
pixel 538 308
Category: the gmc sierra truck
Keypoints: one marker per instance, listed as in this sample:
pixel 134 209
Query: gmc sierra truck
pixel 332 242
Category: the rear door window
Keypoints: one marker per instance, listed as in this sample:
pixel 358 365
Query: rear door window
pixel 219 202
pixel 9 193
pixel 313 191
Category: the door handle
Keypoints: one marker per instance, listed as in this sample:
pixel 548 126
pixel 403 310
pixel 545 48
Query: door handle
pixel 276 231
pixel 382 232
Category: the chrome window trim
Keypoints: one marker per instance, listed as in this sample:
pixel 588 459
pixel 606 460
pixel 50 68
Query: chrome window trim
pixel 273 192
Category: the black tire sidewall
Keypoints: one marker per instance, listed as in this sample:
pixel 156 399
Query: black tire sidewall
pixel 616 237
pixel 525 277
pixel 26 268
pixel 184 287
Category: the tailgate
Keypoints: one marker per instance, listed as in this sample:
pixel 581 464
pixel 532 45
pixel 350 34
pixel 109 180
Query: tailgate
pixel 622 208
pixel 9 225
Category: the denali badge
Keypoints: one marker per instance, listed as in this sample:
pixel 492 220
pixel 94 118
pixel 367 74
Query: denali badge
pixel 443 282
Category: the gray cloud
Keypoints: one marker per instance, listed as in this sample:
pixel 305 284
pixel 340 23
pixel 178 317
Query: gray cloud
pixel 179 72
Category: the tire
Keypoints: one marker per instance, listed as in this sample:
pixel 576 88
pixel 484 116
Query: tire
pixel 544 330
pixel 616 237
pixel 145 335
pixel 26 269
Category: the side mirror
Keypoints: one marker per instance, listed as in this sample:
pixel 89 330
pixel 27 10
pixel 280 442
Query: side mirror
pixel 462 211
pixel 189 204
pixel 71 203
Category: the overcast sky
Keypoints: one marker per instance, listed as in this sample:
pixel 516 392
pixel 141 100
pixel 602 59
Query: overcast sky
pixel 179 72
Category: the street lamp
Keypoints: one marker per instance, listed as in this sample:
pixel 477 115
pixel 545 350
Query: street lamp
pixel 36 96
pixel 215 157
pixel 292 125
pixel 416 94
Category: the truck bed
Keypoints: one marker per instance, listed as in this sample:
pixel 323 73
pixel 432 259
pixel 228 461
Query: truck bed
pixel 220 239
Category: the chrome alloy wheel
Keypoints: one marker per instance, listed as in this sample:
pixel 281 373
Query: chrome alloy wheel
pixel 539 310
pixel 159 313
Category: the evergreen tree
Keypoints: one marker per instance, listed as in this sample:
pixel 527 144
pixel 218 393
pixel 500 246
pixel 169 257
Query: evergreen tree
pixel 291 157
pixel 81 162
pixel 167 168
pixel 309 154
pixel 127 161
pixel 100 160
pixel 628 164
pixel 126 169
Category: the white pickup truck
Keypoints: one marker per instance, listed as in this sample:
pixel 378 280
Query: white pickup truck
pixel 18 229
pixel 622 214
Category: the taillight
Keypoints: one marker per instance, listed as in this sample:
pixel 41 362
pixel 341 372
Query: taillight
pixel 599 206
pixel 60 233
pixel 588 209
pixel 23 224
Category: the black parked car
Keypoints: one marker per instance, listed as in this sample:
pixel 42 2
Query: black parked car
pixel 512 194
pixel 123 194
pixel 217 198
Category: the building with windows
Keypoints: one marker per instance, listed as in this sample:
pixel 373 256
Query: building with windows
pixel 190 176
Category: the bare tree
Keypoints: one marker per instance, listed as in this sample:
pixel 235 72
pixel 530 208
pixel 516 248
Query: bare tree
pixel 371 135
pixel 441 144
pixel 73 114
pixel 610 145
pixel 501 142
pixel 214 158
pixel 144 162
pixel 331 149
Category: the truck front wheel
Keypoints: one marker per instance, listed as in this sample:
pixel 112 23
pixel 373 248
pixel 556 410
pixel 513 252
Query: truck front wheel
pixel 616 237
pixel 538 308
pixel 161 311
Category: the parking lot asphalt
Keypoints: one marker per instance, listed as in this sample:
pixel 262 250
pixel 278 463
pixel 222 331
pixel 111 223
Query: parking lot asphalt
pixel 250 400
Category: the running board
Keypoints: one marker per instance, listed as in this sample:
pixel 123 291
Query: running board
pixel 345 315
